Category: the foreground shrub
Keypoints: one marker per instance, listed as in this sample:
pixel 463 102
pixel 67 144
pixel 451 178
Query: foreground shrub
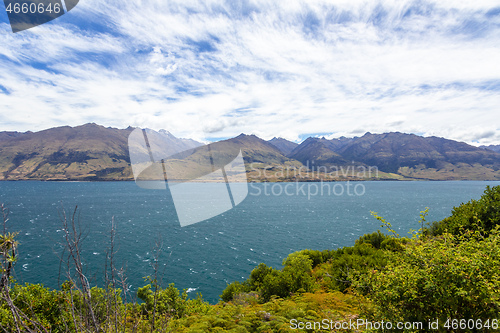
pixel 477 215
pixel 277 315
pixel 447 277
pixel 168 301
pixel 351 261
pixel 47 307
pixel 268 282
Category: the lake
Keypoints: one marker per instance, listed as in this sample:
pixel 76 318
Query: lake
pixel 273 221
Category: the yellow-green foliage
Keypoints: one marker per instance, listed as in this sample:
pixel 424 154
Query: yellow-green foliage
pixel 42 304
pixel 272 316
pixel 453 276
pixel 450 270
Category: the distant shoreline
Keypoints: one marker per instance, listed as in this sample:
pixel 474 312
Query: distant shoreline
pixel 257 182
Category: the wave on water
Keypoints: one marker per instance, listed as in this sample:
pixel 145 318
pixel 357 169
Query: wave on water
pixel 261 229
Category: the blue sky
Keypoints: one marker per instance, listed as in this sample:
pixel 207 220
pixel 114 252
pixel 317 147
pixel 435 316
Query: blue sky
pixel 214 69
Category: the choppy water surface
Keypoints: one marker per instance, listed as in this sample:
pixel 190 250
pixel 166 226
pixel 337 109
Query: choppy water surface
pixel 272 222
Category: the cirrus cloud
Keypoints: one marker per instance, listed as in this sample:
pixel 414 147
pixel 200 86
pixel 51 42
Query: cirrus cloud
pixel 206 69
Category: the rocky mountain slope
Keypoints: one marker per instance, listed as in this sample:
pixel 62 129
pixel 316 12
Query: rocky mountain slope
pixel 495 148
pixel 87 152
pixel 408 155
pixel 283 145
pixel 93 152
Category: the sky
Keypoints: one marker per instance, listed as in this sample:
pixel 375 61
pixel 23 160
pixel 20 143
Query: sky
pixel 292 69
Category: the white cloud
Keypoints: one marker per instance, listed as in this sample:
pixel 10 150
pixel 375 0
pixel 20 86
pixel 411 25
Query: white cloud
pixel 219 68
pixel 165 65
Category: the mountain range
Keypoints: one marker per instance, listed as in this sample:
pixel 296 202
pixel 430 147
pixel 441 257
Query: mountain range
pixel 408 155
pixel 495 148
pixel 94 152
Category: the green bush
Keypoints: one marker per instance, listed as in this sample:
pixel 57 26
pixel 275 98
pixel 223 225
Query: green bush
pixel 233 289
pixel 449 277
pixel 169 301
pixel 367 253
pixel 297 272
pixel 375 239
pixel 274 284
pixel 268 282
pixel 253 283
pixel 315 256
pixel 48 307
pixel 350 261
pixel 258 275
pixel 481 215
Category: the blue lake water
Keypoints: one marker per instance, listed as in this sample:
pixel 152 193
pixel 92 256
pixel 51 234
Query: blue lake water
pixel 270 223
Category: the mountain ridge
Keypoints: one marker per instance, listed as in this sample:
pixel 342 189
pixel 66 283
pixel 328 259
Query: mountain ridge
pixel 95 152
pixel 284 145
pixel 495 148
